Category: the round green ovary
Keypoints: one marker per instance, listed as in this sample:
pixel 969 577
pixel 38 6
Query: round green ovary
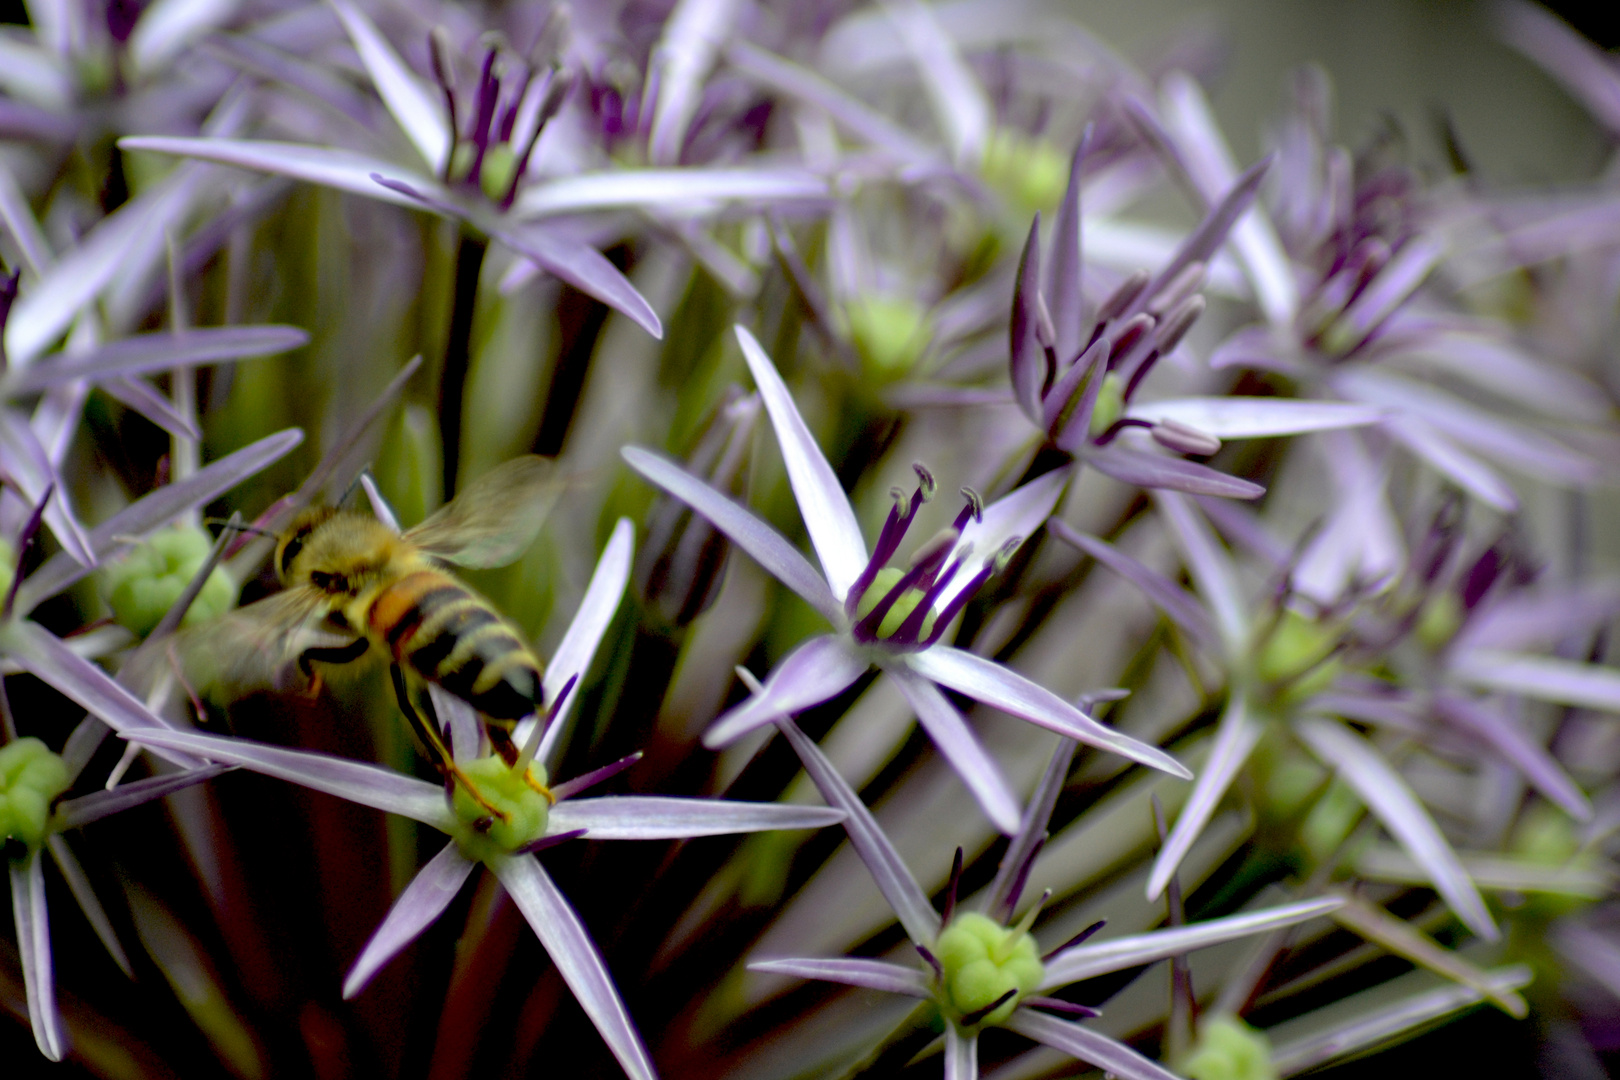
pixel 142 586
pixel 982 961
pixel 1229 1049
pixel 1030 173
pixel 1109 406
pixel 889 332
pixel 31 777
pixel 484 835
pixel 887 579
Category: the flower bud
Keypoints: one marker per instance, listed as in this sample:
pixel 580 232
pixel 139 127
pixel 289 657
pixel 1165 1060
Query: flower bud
pixel 31 777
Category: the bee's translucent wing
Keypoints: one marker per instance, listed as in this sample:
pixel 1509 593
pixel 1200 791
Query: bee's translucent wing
pixel 255 647
pixel 495 517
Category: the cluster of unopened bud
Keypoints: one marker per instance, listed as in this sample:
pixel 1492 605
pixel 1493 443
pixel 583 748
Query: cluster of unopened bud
pixel 31 779
pixel 143 585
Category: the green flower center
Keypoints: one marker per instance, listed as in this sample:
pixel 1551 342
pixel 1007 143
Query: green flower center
pixel 1110 405
pixel 1229 1049
pixel 886 579
pixel 1297 655
pixel 982 961
pixel 144 584
pixel 31 777
pixel 889 332
pixel 1031 173
pixel 521 820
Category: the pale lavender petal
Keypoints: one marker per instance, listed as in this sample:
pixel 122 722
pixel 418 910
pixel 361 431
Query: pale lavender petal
pixel 961 1054
pixel 959 746
pixel 748 532
pixel 1015 515
pixel 578 962
pixel 1150 470
pixel 906 898
pixel 1114 1058
pixel 34 943
pixel 142 396
pixel 1031 829
pixel 460 719
pixel 1497 365
pixel 358 782
pixel 1210 164
pixel 817 670
pixel 79 885
pixel 1473 475
pixel 327 166
pixel 423 901
pixel 1235 738
pixel 43 654
pixel 18 218
pixel 273 64
pixel 1540 618
pixel 166 27
pixel 1545 678
pixel 574 653
pixel 1065 267
pixel 1095 958
pixel 828 516
pixel 31 471
pixel 654 817
pixel 1387 291
pixel 583 267
pixel 1518 749
pixel 680 62
pixel 1005 689
pixel 960 106
pixel 1388 1021
pixel 1361 540
pixel 1026 356
pixel 75 813
pixel 1255 417
pixel 1211 567
pixel 1584 69
pixel 1388 796
pixel 851 971
pixel 147 353
pixel 673 189
pixel 419 113
pixel 1184 610
pixel 1229 197
pixel 157 509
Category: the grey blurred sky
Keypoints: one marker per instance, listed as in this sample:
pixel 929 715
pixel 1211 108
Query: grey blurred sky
pixel 1408 58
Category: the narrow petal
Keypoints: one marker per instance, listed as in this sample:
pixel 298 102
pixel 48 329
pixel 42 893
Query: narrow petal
pixel 30 470
pixel 143 397
pixel 43 654
pixel 1473 475
pixel 79 885
pixel 1388 1020
pixel 961 108
pixel 34 943
pixel 1255 417
pixel 1587 71
pixel 155 510
pixel 572 660
pixel 960 747
pixel 167 27
pixel 355 781
pixel 828 516
pixel 1032 829
pixel 680 190
pixel 1027 358
pixel 79 812
pixel 1235 738
pixel 1114 1058
pixel 1211 568
pixel 1065 267
pixel 1545 678
pixel 1360 543
pixel 144 354
pixel 1002 688
pixel 1518 749
pixel 1184 610
pixel 817 670
pixel 419 113
pixel 851 971
pixel 906 898
pixel 460 719
pixel 765 544
pixel 961 1054
pixel 1153 470
pixel 583 267
pixel 1388 796
pixel 1402 938
pixel 653 817
pixel 680 62
pixel 423 901
pixel 581 966
pixel 1540 617
pixel 1101 957
pixel 1015 515
pixel 327 166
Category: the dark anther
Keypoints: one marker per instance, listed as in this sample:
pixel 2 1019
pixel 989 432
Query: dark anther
pixel 950 890
pixel 976 1015
pixel 1076 940
pixel 933 961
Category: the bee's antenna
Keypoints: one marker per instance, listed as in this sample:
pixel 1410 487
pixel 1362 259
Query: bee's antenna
pixel 237 526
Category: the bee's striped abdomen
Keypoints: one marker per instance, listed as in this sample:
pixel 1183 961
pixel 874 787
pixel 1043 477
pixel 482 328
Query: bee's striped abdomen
pixel 449 636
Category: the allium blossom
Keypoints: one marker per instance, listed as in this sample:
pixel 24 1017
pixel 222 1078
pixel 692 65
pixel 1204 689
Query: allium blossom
pixel 980 973
pixel 885 617
pixel 533 820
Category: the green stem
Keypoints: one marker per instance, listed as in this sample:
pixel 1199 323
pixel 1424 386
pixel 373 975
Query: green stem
pixel 458 352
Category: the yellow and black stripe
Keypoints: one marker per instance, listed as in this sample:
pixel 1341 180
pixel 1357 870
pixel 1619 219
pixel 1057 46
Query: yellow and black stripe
pixel 450 636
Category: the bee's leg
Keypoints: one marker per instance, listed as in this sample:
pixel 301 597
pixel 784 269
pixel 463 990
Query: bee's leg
pixel 501 739
pixel 428 733
pixel 344 654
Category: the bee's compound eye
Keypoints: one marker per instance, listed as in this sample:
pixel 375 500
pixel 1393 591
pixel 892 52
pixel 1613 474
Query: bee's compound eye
pixel 289 551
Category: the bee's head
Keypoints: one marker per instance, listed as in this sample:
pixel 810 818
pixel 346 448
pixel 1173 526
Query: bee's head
pixel 293 541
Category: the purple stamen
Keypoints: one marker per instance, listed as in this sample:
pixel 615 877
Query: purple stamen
pixel 969 1019
pixel 911 628
pixel 556 91
pixel 1130 334
pixel 1118 426
pixel 894 531
pixel 1078 939
pixel 489 89
pixel 30 529
pixel 933 961
pixel 973 509
pixel 569 788
pixel 1058 1005
pixel 438 53
pixel 1017 890
pixel 950 890
pixel 550 841
pixel 926 564
pixel 959 601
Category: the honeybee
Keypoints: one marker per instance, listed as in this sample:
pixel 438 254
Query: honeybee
pixel 356 590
